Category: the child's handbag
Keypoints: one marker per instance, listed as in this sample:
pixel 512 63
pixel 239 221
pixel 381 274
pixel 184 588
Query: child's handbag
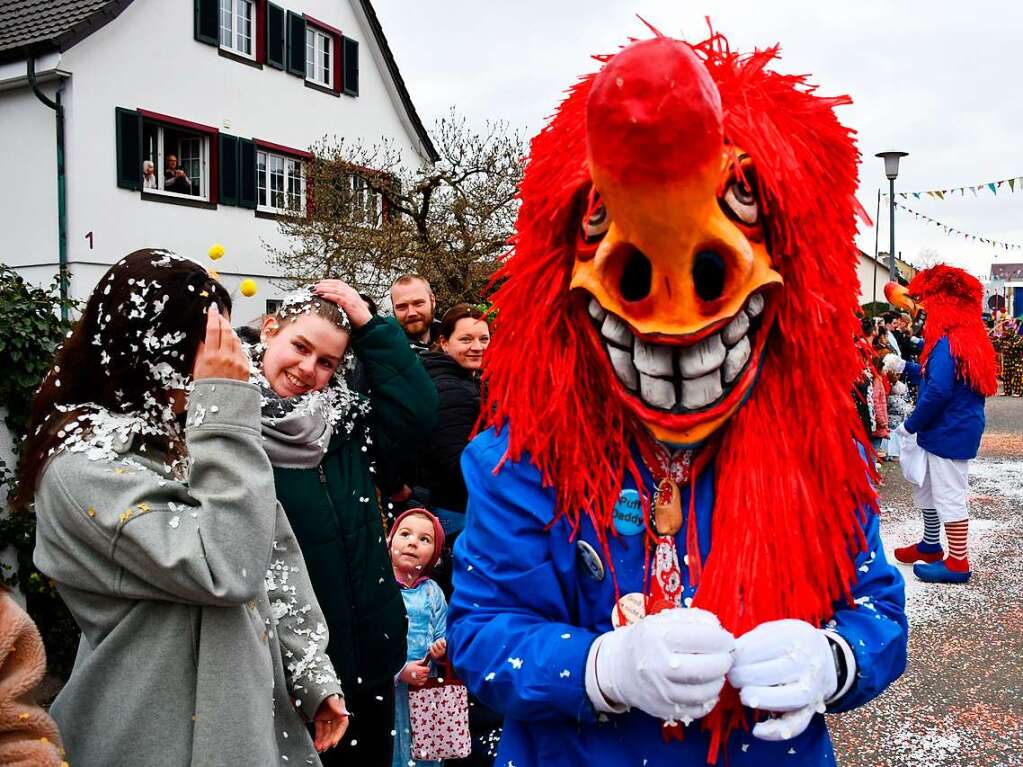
pixel 439 714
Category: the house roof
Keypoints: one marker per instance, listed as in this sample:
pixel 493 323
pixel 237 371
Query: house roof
pixel 33 27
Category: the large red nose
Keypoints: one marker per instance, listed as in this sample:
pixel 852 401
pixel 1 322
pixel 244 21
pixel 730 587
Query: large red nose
pixel 653 113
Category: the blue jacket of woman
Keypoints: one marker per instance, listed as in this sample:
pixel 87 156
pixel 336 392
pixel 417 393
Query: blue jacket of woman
pixel 526 608
pixel 949 416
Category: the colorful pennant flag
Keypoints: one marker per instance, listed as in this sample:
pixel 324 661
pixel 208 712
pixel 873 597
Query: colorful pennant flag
pixel 993 186
pixel 950 230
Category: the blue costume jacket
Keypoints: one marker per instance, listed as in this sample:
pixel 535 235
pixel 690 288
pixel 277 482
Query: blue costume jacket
pixel 526 609
pixel 949 416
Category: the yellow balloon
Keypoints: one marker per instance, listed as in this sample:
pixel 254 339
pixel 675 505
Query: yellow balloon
pixel 248 287
pixel 216 251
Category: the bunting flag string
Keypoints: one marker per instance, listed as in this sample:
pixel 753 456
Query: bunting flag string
pixel 953 232
pixel 1013 184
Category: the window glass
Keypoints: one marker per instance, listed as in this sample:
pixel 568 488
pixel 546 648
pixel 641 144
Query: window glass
pixel 280 183
pixel 261 179
pixel 319 52
pixel 236 22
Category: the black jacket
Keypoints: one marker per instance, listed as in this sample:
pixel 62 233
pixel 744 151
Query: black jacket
pixel 458 393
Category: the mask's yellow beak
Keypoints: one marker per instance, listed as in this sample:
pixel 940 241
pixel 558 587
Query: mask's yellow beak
pixel 899 297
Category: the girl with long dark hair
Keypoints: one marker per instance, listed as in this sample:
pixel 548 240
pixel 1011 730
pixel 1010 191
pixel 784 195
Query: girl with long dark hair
pixel 202 642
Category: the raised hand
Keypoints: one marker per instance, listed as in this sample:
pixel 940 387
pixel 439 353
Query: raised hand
pixel 220 355
pixel 345 296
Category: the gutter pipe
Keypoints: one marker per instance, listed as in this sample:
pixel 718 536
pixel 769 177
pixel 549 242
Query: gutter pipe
pixel 58 108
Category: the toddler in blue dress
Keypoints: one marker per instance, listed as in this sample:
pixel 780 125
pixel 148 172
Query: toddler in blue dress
pixel 415 543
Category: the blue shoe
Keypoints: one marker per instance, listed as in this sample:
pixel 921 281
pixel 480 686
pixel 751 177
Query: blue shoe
pixel 940 572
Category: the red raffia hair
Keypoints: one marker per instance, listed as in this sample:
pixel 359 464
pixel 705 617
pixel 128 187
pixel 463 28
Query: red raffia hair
pixel 790 484
pixel 954 303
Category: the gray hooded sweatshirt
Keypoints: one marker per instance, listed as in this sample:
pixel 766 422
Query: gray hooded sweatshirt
pixel 199 624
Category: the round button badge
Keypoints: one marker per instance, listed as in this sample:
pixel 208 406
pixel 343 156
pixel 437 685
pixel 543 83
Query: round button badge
pixel 628 513
pixel 590 560
pixel 630 609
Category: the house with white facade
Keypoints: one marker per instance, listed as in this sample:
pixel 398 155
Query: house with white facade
pixel 179 124
pixel 873 274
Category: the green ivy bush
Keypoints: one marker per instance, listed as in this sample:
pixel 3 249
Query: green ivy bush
pixel 30 330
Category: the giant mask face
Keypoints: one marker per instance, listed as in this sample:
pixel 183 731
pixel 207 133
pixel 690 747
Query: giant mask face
pixel 671 256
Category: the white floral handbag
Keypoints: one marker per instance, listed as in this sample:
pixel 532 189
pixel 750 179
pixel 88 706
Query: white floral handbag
pixel 439 714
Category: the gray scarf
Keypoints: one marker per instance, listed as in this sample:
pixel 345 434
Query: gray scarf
pixel 294 436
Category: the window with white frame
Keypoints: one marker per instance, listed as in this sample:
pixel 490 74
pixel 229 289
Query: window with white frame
pixel 319 57
pixel 366 204
pixel 280 183
pixel 237 25
pixel 175 161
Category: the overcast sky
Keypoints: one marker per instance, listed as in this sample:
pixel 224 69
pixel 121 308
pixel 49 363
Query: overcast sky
pixel 940 80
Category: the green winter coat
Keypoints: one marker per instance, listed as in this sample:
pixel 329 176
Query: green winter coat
pixel 334 513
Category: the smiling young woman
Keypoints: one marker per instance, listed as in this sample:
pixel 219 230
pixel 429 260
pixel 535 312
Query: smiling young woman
pixel 321 439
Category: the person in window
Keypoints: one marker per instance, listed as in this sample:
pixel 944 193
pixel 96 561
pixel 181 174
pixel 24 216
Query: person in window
pixel 149 180
pixel 175 179
pixel 321 439
pixel 158 522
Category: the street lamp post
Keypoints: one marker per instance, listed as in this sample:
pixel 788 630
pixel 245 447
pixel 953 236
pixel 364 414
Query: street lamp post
pixel 891 170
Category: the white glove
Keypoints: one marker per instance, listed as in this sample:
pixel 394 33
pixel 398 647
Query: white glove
pixel 893 363
pixel 671 665
pixel 788 667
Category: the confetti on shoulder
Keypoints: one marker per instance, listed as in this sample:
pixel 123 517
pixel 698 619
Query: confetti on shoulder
pixel 516 663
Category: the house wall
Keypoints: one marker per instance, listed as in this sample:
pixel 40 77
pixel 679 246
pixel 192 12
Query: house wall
pixel 147 58
pixel 868 279
pixel 28 193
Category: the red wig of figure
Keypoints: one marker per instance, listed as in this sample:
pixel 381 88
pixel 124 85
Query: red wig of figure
pixel 953 301
pixel 790 483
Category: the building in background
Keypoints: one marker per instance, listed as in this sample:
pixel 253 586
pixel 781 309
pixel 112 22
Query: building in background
pixel 1004 289
pixel 873 276
pixel 185 123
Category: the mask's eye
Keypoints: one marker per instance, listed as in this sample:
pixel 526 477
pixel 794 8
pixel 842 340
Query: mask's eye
pixel 596 220
pixel 739 200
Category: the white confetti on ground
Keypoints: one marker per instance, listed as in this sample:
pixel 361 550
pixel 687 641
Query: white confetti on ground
pixel 930 602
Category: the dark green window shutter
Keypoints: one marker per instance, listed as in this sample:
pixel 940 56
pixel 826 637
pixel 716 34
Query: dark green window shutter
pixel 246 173
pixel 228 169
pixel 207 21
pixel 129 148
pixel 296 44
pixel 275 46
pixel 351 66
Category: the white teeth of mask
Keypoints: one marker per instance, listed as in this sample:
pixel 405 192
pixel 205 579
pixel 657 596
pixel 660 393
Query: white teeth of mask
pixel 657 391
pixel 653 360
pixel 736 359
pixel 702 358
pixel 699 392
pixel 596 310
pixel 736 329
pixel 621 361
pixel 616 331
pixel 755 305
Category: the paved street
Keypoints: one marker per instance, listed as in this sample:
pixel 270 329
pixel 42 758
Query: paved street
pixel 960 701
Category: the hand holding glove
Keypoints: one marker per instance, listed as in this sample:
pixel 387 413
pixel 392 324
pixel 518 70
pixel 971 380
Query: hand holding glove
pixel 786 667
pixel 671 665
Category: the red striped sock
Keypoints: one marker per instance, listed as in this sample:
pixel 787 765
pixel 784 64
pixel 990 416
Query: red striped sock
pixel 956 533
